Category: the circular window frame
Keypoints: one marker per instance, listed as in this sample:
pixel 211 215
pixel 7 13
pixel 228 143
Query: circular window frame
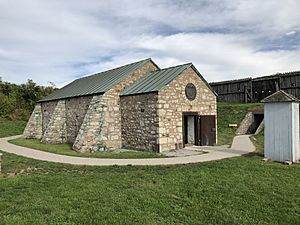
pixel 190 91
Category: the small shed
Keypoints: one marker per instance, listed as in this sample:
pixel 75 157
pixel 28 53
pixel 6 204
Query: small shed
pixel 282 127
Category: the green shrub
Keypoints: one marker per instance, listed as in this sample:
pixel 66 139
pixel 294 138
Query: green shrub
pixel 18 101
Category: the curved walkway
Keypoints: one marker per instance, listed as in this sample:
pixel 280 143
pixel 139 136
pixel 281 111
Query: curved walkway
pixel 214 153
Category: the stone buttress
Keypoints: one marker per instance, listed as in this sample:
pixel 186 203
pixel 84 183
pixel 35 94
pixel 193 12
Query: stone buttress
pixel 34 127
pixel 90 136
pixel 56 128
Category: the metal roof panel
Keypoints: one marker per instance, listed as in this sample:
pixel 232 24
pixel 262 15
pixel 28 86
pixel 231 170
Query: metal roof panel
pixel 96 83
pixel 155 81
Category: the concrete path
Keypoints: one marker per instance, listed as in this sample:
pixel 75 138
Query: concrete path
pixel 213 153
pixel 243 142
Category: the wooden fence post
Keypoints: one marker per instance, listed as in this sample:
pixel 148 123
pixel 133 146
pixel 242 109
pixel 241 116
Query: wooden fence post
pixel 245 94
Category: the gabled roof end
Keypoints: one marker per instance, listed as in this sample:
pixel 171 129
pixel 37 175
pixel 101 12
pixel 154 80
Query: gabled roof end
pixel 280 96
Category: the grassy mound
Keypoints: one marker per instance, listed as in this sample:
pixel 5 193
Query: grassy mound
pixel 11 127
pixel 231 113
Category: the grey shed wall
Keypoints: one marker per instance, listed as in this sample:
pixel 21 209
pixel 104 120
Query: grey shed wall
pixel 282 131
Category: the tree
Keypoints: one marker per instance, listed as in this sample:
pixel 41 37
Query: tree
pixel 17 101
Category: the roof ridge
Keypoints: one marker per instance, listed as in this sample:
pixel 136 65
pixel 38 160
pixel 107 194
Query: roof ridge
pixel 171 67
pixel 119 67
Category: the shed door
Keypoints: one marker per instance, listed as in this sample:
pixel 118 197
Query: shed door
pixel 208 130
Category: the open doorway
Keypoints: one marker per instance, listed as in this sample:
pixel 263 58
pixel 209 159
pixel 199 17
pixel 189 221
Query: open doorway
pixel 190 131
pixel 257 119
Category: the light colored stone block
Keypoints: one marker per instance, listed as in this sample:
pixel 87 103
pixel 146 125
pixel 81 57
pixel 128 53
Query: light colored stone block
pixel 34 127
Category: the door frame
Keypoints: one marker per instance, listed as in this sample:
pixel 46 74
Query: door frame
pixel 196 124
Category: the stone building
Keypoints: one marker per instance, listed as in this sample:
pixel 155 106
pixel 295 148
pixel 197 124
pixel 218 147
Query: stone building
pixel 136 106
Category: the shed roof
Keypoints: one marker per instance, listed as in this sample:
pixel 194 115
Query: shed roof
pixel 280 96
pixel 156 80
pixel 97 83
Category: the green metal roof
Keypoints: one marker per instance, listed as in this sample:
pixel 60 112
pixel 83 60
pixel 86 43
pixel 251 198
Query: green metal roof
pixel 97 83
pixel 157 80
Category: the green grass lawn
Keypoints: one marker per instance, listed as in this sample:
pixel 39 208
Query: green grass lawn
pixel 242 190
pixel 65 149
pixel 231 113
pixel 9 127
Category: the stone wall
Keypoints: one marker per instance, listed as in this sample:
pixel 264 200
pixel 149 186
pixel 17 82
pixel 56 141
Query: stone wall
pixel 245 124
pixel 139 121
pixel 56 129
pixel 172 102
pixel 47 112
pixel 76 109
pixel 109 135
pixel 34 126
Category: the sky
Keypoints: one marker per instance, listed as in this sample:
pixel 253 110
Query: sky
pixel 59 41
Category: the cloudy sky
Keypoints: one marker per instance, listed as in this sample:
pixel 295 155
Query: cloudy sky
pixel 59 41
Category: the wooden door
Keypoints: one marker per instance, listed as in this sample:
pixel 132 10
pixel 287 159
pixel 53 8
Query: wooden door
pixel 207 130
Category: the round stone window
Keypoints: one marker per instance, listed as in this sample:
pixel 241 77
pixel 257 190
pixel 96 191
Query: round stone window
pixel 190 91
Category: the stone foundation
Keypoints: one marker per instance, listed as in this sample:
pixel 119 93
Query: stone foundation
pixel 34 128
pixel 56 130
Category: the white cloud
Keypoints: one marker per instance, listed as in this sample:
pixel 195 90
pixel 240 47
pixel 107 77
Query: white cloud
pixel 61 40
pixel 291 33
pixel 220 56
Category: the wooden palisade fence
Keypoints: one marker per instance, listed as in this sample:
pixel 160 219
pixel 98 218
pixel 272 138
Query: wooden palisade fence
pixel 255 89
